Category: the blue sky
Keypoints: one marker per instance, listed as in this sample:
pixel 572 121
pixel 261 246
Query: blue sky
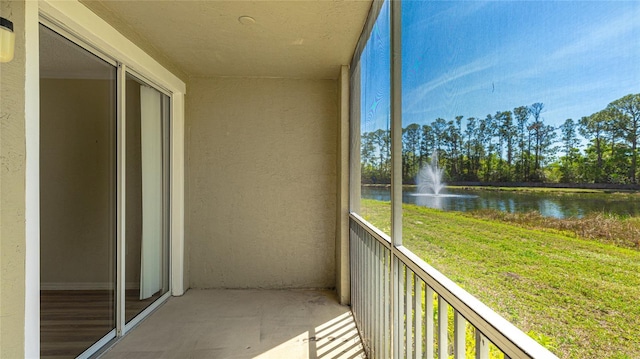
pixel 473 58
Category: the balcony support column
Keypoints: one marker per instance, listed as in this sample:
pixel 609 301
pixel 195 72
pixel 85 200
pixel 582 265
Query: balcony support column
pixel 342 191
pixel 396 169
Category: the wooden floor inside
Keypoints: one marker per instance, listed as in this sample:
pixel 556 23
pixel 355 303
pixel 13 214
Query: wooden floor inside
pixel 73 320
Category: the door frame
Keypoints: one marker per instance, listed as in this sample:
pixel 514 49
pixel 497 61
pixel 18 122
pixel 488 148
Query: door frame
pixel 78 21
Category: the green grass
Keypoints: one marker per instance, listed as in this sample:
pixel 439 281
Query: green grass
pixel 582 295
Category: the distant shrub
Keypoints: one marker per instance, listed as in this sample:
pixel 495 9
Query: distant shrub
pixel 603 227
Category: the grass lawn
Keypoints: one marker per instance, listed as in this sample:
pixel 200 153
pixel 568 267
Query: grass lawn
pixel 579 297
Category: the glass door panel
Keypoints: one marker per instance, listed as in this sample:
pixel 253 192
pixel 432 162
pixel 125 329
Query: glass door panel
pixel 77 196
pixel 147 263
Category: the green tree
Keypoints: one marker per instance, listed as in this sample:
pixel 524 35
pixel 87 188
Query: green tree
pixel 452 138
pixel 522 117
pixel 410 151
pixel 593 128
pixel 506 133
pixel 470 147
pixel 427 144
pixel 570 139
pixel 459 147
pixel 616 159
pixel 626 118
pixel 537 130
pixel 570 143
pixel 439 127
pixel 486 133
pixel 382 139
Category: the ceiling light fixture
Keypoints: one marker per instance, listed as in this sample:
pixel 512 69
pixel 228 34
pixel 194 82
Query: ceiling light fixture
pixel 246 20
pixel 7 40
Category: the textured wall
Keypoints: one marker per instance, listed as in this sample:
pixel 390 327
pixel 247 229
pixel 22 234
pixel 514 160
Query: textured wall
pixel 12 190
pixel 261 177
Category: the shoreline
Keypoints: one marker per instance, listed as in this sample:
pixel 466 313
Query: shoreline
pixel 551 187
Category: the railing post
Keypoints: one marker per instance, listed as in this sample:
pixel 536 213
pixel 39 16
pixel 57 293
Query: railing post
pixel 428 313
pixel 443 323
pixel 459 335
pixel 369 293
pixel 387 305
pixel 417 308
pixel 378 301
pixel 395 303
pixel 409 315
pixel 482 346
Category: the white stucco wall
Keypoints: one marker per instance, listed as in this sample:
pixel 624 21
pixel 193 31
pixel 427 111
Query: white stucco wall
pixel 12 190
pixel 261 183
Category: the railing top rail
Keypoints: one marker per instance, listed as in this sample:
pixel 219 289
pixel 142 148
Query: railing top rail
pixel 373 231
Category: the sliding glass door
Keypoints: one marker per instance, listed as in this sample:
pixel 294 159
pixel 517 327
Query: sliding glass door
pixel 77 203
pixel 104 183
pixel 147 169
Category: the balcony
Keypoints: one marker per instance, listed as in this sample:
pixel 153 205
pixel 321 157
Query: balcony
pixel 245 324
pixel 401 308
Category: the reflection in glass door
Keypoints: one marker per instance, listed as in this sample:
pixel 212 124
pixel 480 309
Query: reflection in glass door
pixel 95 178
pixel 77 197
pixel 147 169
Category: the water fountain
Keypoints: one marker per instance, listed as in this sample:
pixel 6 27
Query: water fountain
pixel 430 186
pixel 430 178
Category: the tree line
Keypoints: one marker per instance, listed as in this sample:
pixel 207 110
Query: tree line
pixel 516 146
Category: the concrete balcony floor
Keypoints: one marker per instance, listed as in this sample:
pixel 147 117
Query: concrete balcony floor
pixel 245 324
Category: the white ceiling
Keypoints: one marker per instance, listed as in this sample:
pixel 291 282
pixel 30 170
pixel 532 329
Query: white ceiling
pixel 291 39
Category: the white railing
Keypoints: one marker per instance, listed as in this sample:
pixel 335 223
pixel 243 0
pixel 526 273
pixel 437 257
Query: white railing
pixel 404 308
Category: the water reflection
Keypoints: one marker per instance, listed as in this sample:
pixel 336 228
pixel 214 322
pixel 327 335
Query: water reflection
pixel 548 204
pixel 439 201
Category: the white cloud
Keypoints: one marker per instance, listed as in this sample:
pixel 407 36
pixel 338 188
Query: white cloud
pixel 600 34
pixel 420 93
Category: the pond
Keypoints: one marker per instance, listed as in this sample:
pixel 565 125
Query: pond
pixel 549 204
